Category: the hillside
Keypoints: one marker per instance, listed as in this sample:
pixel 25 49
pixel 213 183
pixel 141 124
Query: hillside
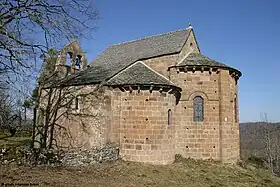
pixel 184 172
pixel 252 137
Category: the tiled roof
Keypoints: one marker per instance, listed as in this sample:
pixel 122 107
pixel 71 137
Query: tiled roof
pixel 112 63
pixel 139 74
pixel 119 56
pixel 197 59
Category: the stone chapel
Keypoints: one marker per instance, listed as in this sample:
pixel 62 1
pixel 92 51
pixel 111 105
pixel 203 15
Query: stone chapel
pixel 154 97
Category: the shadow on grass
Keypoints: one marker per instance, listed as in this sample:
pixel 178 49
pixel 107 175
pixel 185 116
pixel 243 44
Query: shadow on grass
pixel 13 141
pixel 3 138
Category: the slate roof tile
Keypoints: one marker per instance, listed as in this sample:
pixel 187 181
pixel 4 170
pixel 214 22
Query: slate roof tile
pixel 139 74
pixel 199 59
pixel 119 56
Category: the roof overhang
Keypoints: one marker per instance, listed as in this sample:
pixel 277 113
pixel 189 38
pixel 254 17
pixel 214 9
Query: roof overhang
pixel 206 67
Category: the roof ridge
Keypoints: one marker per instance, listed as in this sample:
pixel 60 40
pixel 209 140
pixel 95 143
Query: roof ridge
pixel 122 70
pixel 184 57
pixel 155 72
pixel 146 66
pixel 194 58
pixel 147 37
pixel 204 56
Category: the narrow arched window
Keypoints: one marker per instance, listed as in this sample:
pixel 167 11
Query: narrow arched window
pixel 198 108
pixel 76 103
pixel 235 109
pixel 169 115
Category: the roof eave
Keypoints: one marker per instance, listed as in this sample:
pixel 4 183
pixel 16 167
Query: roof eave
pixel 221 67
pixel 148 84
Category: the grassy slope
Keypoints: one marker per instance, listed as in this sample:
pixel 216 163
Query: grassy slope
pixel 8 142
pixel 185 172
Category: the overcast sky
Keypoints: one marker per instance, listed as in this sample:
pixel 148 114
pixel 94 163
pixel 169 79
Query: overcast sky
pixel 244 34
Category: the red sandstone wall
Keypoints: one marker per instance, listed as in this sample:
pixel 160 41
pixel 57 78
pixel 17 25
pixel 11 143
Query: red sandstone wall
pixel 230 129
pixel 197 139
pixel 144 132
pixel 161 64
pixel 217 137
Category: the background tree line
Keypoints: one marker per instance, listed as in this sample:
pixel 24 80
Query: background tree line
pixel 260 143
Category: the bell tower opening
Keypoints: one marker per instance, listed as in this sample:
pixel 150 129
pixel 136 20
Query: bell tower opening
pixel 69 57
pixel 78 62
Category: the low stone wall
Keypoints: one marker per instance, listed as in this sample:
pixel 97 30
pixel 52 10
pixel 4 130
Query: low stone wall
pixel 109 152
pixel 28 156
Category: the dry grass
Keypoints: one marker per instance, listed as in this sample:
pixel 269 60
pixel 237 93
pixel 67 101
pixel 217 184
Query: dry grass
pixel 185 172
pixel 9 142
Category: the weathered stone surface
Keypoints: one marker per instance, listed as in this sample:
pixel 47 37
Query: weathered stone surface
pixel 28 156
pixel 53 157
pixel 109 152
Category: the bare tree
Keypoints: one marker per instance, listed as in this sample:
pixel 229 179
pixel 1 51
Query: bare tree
pixel 58 104
pixel 29 27
pixel 8 112
pixel 271 141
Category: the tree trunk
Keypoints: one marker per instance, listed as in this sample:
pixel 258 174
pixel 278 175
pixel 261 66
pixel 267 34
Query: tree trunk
pixel 47 120
pixel 34 126
pixel 24 114
pixel 54 120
